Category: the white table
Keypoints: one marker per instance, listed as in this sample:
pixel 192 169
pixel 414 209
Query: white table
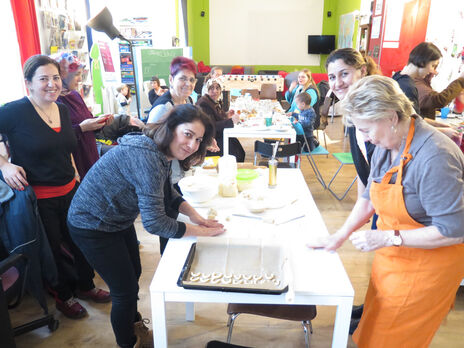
pixel 257 132
pixel 319 277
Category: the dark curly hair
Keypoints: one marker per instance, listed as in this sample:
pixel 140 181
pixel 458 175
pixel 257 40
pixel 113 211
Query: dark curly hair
pixel 162 132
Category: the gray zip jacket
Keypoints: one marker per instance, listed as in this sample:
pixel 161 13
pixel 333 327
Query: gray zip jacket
pixel 130 179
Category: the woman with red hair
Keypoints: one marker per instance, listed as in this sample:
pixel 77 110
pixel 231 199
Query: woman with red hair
pixel 181 84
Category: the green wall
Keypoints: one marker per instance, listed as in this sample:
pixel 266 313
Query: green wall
pixel 198 30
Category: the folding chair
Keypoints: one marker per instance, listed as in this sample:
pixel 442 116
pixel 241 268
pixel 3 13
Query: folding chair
pixel 345 158
pixel 265 150
pixel 320 150
pixel 301 313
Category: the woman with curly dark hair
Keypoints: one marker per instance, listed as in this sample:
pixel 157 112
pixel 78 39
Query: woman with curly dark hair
pixel 129 180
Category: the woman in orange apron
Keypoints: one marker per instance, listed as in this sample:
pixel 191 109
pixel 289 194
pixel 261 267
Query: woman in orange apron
pixel 417 269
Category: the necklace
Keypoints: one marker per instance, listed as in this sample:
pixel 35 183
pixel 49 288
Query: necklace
pixel 43 111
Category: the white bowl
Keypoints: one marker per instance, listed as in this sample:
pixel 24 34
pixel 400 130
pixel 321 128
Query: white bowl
pixel 198 188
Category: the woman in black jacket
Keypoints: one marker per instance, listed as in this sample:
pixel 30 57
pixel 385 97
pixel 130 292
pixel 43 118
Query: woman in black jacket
pixel 212 106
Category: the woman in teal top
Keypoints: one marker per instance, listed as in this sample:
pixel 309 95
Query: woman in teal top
pixel 305 83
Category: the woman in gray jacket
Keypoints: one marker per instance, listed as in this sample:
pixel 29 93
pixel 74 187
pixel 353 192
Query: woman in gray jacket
pixel 130 179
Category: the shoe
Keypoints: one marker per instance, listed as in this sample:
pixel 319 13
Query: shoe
pixel 144 334
pixel 353 325
pixel 96 295
pixel 357 312
pixel 71 308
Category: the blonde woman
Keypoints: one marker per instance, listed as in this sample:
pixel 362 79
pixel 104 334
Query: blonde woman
pixel 419 250
pixel 304 83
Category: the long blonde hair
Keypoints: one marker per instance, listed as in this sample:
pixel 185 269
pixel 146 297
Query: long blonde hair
pixel 310 82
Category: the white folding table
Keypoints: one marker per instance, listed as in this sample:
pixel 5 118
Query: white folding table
pixel 319 277
pixel 257 132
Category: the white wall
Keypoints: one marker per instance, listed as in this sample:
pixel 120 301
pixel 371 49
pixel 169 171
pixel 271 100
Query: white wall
pixel 12 75
pixel 445 29
pixel 262 32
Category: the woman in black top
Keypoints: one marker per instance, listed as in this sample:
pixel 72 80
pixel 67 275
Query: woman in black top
pixel 212 106
pixel 41 141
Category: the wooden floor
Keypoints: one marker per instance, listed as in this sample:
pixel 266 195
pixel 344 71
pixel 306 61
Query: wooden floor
pixel 210 323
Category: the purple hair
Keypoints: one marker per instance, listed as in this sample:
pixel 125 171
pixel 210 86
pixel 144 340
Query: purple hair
pixel 182 63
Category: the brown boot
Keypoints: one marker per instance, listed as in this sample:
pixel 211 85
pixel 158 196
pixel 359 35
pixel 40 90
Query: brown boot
pixel 144 334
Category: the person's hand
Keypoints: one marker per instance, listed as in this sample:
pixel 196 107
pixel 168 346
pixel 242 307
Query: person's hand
pixel 207 227
pixel 329 243
pixel 235 118
pixel 14 176
pixel 201 221
pixel 109 119
pixel 92 124
pixel 293 85
pixel 214 146
pixel 450 132
pixel 370 240
pixel 209 231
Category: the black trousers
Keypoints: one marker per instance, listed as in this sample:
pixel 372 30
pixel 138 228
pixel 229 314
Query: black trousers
pixel 74 272
pixel 116 257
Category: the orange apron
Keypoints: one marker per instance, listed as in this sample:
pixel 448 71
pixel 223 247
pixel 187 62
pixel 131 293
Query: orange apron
pixel 411 290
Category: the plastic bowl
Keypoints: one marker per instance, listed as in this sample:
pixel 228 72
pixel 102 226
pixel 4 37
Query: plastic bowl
pixel 245 178
pixel 198 188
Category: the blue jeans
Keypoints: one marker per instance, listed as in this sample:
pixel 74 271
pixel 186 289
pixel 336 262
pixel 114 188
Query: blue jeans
pixel 115 256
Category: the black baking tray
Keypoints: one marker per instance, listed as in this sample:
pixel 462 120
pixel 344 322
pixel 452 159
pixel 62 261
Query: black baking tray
pixel 186 271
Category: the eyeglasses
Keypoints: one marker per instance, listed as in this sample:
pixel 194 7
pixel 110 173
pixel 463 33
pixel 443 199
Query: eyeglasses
pixel 184 79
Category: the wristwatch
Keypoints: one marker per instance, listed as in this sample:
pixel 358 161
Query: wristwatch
pixel 397 240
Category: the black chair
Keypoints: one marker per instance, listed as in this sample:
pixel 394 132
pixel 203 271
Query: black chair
pixel 13 273
pixel 200 82
pixel 303 313
pixel 265 151
pixel 219 344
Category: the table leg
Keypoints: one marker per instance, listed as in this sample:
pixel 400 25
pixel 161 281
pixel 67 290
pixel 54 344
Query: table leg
pixel 342 323
pixel 292 140
pixel 190 311
pixel 158 313
pixel 226 144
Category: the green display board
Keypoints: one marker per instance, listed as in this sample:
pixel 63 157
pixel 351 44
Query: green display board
pixel 155 62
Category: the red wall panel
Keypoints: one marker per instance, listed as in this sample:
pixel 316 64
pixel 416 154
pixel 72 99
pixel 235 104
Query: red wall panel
pixel 413 30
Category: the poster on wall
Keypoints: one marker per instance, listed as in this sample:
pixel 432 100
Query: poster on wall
pixel 375 33
pixel 378 7
pixel 345 33
pixel 105 54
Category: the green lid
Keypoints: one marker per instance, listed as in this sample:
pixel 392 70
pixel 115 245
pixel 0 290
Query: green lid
pixel 246 174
